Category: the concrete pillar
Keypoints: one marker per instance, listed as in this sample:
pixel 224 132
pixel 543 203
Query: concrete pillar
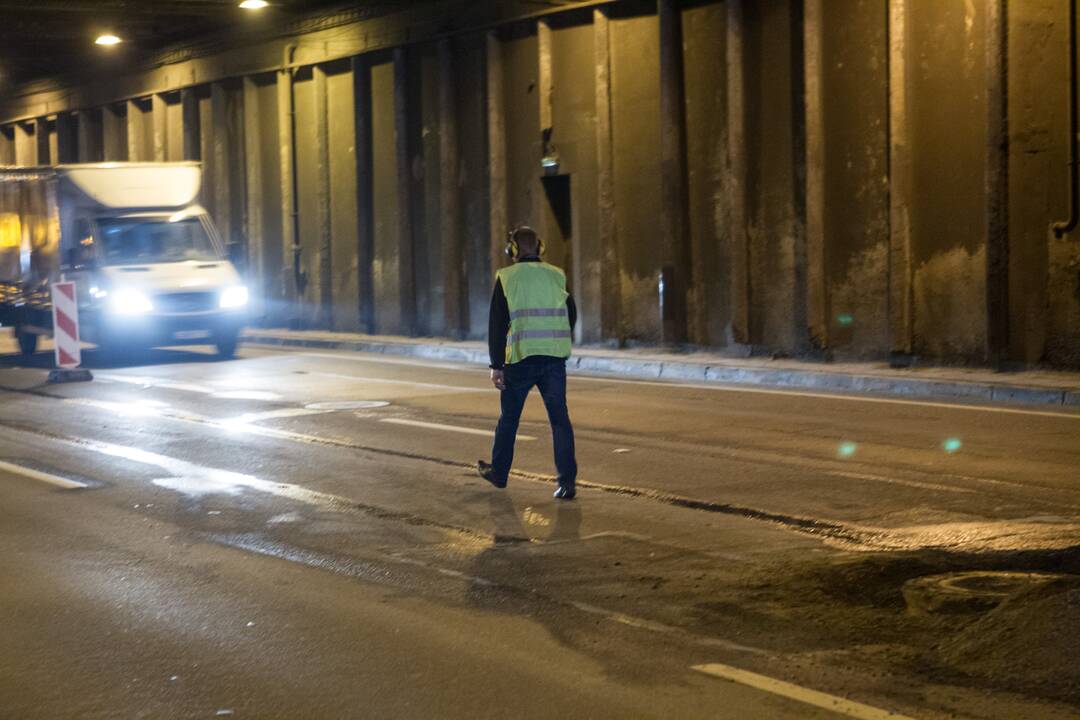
pixel 674 201
pixel 736 175
pixel 322 198
pixel 67 138
pixel 160 118
pixel 610 290
pixel 800 295
pixel 365 200
pixel 287 174
pixel 189 110
pixel 43 155
pixel 7 145
pixel 901 302
pixel 90 140
pixel 497 178
pixel 135 132
pixel 455 301
pixel 253 197
pixel 114 132
pixel 544 91
pixel 997 183
pixel 218 162
pixel 403 149
pixel 817 299
pixel 25 144
pixel 545 74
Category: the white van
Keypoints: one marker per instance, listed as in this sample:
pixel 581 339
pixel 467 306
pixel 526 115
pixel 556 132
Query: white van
pixel 149 265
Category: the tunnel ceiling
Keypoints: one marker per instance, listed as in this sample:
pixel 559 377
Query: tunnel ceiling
pixel 42 39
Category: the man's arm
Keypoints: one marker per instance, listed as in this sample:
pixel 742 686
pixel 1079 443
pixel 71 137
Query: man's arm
pixel 571 310
pixel 498 326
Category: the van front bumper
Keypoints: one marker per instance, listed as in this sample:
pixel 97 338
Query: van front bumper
pixel 155 330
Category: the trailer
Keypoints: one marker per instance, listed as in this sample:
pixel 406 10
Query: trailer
pixel 148 263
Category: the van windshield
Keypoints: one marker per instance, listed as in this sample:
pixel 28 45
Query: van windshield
pixel 146 240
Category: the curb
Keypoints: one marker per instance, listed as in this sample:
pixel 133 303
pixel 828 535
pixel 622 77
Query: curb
pixel 651 369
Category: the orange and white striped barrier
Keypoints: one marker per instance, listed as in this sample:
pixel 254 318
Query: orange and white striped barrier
pixel 66 325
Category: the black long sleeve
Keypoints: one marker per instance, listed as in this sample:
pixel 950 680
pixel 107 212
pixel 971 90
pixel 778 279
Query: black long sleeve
pixel 499 324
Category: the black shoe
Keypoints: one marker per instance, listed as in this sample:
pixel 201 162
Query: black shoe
pixel 487 472
pixel 564 492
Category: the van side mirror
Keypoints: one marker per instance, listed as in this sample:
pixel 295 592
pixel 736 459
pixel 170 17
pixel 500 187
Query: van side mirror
pixel 80 258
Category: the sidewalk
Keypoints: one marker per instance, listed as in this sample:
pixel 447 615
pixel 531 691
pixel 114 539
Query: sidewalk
pixel 979 385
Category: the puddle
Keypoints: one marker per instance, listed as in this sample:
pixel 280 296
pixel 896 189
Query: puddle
pixel 196 480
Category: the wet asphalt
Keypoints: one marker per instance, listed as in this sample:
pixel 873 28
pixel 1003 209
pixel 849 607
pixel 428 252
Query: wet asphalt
pixel 298 534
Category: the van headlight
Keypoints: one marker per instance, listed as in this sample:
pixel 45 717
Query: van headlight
pixel 126 301
pixel 233 297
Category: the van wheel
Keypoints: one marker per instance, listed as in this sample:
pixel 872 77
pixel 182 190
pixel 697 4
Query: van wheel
pixel 226 343
pixel 28 342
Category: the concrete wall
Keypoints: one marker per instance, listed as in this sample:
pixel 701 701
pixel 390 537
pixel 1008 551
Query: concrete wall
pixel 1044 271
pixel 948 224
pixel 635 87
pixel 704 29
pixel 839 178
pixel 573 138
pixel 387 240
pixel 854 64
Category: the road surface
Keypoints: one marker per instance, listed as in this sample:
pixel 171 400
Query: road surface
pixel 299 534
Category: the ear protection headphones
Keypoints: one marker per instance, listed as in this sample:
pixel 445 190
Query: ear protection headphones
pixel 512 249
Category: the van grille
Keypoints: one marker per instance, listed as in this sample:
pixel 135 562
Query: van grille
pixel 185 302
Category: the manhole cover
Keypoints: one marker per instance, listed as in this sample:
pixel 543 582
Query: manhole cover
pixel 975 591
pixel 347 405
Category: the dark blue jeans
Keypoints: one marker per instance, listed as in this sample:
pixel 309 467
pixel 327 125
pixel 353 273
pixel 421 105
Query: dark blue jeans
pixel 548 374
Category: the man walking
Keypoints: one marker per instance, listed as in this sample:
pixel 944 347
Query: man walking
pixel 529 331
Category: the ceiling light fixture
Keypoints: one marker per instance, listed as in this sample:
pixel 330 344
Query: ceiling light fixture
pixel 107 39
pixel 254 4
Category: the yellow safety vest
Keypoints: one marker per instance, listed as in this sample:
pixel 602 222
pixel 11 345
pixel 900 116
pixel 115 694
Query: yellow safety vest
pixel 539 322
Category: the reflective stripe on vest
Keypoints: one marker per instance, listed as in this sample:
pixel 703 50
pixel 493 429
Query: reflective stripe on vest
pixel 539 321
pixel 538 335
pixel 538 312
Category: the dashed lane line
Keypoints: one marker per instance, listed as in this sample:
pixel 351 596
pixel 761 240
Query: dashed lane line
pixel 448 428
pixel 40 476
pixel 719 387
pixel 839 705
pixel 826 530
pixel 409 383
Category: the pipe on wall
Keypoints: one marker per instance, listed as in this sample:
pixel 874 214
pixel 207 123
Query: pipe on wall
pixel 299 276
pixel 1064 227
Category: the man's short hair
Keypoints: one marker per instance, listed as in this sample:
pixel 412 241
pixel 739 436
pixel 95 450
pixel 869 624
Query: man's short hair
pixel 527 240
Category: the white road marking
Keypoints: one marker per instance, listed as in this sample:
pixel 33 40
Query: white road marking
pixel 449 428
pixel 121 408
pixel 390 361
pixel 248 418
pixel 247 395
pixel 829 396
pixel 131 409
pixel 341 405
pixel 732 388
pixel 157 383
pixel 898 481
pixel 409 383
pixel 797 692
pixel 41 476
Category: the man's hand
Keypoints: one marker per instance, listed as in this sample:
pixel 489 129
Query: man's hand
pixel 498 379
